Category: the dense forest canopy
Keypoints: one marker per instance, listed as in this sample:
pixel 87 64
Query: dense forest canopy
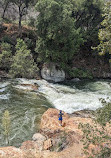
pixel 56 31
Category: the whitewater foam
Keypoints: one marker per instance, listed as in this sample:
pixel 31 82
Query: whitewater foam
pixel 70 99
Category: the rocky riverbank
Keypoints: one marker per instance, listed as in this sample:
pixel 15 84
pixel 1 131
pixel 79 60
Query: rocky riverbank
pixel 53 141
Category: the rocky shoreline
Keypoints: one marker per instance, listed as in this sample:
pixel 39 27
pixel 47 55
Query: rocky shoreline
pixel 53 141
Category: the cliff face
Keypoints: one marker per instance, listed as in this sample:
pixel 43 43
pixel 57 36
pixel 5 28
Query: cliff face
pixel 54 141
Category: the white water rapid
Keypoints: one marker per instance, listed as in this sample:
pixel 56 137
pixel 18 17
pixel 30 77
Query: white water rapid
pixel 75 96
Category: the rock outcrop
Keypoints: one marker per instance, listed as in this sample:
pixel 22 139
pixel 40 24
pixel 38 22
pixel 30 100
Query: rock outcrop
pixel 50 121
pixel 11 152
pixel 51 72
pixel 55 141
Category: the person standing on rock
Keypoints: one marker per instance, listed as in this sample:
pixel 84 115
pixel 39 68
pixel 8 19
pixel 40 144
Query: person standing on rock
pixel 60 117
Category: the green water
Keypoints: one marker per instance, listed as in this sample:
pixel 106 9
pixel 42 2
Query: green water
pixel 26 109
pixel 26 105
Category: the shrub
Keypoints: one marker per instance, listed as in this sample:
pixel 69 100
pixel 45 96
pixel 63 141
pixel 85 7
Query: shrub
pixel 80 73
pixel 98 134
pixel 31 22
pixel 6 39
pixel 103 114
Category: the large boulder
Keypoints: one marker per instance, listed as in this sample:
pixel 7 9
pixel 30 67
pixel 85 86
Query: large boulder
pixel 51 72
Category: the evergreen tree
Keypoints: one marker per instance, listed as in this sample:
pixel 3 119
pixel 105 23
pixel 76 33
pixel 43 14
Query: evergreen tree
pixel 23 64
pixel 88 16
pixel 5 56
pixel 105 33
pixel 58 39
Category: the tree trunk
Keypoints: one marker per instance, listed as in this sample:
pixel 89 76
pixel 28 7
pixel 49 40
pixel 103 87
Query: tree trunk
pixel 20 25
pixel 6 6
pixel 20 21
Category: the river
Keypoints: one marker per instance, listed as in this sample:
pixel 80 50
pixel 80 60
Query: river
pixel 26 106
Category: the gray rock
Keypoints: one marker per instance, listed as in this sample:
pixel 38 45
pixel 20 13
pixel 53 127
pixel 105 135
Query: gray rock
pixel 51 72
pixel 75 79
pixel 39 139
pixel 106 75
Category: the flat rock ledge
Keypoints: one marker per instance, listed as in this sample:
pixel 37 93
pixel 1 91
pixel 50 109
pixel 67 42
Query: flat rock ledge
pixel 53 141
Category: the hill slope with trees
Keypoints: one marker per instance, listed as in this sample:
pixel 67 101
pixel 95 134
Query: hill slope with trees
pixel 63 32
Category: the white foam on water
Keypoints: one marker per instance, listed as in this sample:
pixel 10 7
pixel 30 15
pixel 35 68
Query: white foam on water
pixel 23 87
pixel 4 84
pixel 4 96
pixel 70 99
pixel 25 84
pixel 2 89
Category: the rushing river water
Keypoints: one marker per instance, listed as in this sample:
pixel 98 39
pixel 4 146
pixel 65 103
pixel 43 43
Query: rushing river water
pixel 26 106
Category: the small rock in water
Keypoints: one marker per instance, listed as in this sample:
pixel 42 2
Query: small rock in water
pixel 75 79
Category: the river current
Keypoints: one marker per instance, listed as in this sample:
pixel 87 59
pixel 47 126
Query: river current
pixel 26 106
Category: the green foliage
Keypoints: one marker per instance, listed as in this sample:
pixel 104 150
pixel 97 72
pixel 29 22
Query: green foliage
pixel 5 56
pixel 105 33
pixel 103 114
pixel 80 73
pixel 23 64
pixel 6 125
pixel 58 39
pixel 6 39
pixel 99 137
pixel 31 22
pixel 98 134
pixel 61 144
pixel 29 43
pixel 88 16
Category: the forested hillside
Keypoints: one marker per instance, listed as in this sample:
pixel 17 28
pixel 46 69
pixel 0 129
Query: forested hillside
pixel 74 34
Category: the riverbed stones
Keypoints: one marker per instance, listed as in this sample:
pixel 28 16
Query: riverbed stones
pixel 52 72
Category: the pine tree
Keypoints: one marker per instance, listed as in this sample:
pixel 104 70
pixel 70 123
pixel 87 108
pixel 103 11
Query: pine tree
pixel 23 63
